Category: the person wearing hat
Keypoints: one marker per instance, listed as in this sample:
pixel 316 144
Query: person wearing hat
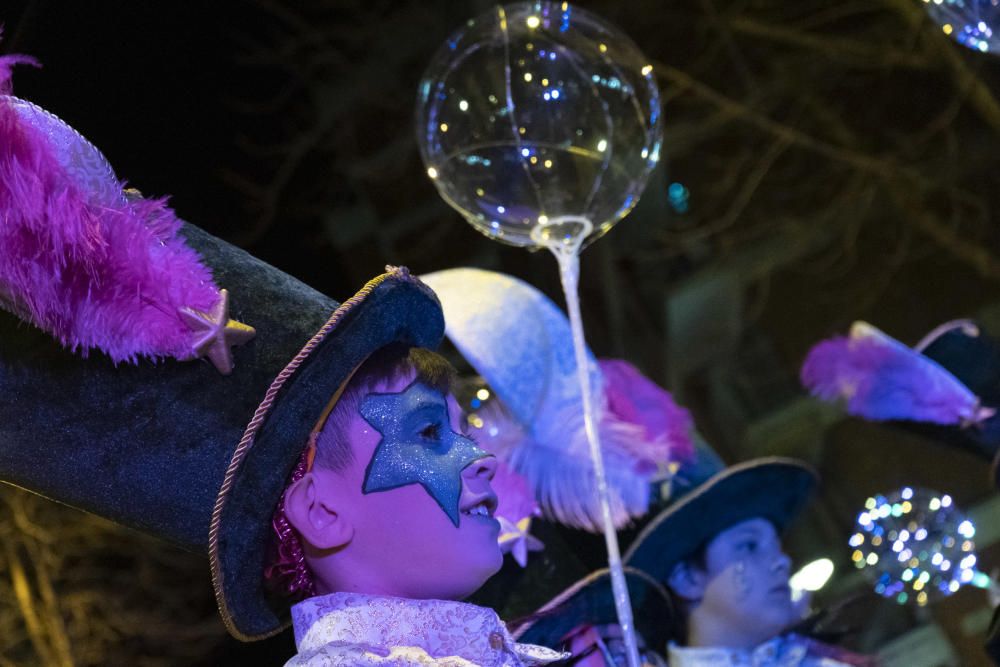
pixel 321 444
pixel 718 551
pixel 392 515
pixel 946 387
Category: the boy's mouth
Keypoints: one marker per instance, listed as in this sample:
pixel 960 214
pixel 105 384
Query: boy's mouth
pixel 781 590
pixel 484 505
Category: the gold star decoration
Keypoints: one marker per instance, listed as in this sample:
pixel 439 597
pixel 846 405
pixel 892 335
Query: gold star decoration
pixel 214 333
pixel 515 539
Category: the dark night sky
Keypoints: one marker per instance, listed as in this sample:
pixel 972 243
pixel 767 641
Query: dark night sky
pixel 153 85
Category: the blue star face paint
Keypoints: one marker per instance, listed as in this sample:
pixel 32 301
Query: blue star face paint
pixel 418 446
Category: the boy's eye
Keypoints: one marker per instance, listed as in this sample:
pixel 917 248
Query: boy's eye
pixel 749 546
pixel 430 432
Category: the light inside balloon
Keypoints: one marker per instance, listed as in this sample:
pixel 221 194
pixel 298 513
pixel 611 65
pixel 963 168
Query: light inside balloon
pixel 971 23
pixel 537 112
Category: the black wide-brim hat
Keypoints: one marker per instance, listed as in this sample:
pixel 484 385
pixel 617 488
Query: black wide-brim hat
pixel 176 449
pixel 973 357
pixel 772 488
pixel 591 601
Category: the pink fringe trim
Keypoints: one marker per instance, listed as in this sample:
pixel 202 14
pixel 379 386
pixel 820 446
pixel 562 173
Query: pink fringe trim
pixel 288 572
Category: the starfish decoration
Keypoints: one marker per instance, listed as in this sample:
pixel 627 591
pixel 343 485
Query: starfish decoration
pixel 214 333
pixel 515 539
pixel 418 446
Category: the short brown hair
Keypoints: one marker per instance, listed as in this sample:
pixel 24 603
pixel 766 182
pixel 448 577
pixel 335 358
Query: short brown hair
pixel 333 451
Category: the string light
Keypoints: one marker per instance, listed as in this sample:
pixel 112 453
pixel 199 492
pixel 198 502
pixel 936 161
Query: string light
pixel 908 542
pixel 968 22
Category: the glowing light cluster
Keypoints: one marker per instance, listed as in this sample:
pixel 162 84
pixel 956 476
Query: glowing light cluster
pixel 545 110
pixel 915 545
pixel 971 23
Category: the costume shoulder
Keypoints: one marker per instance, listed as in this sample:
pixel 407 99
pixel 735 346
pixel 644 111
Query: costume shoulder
pixel 341 654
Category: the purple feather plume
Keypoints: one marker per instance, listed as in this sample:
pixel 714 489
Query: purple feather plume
pixel 879 378
pixel 80 259
pixel 643 432
pixel 635 399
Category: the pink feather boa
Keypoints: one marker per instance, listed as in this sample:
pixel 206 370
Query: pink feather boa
pixel 94 271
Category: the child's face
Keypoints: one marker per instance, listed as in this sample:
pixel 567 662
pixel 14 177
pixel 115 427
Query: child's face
pixel 421 500
pixel 747 581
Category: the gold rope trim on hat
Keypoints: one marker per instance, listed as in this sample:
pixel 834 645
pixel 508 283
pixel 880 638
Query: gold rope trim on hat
pixel 250 434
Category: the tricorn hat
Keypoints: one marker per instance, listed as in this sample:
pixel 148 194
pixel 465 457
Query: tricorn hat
pixel 147 436
pixel 591 601
pixel 772 488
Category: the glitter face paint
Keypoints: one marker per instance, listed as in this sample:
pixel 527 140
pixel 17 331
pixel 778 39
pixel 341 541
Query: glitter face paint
pixel 400 542
pixel 740 583
pixel 418 446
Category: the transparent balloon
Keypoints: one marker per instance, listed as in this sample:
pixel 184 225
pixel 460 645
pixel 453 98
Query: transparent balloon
pixel 971 23
pixel 915 545
pixel 539 122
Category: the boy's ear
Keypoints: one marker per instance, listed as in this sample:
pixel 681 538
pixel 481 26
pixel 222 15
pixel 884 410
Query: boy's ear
pixel 688 581
pixel 315 514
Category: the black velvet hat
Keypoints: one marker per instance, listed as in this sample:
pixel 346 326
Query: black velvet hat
pixel 973 357
pixel 167 445
pixel 772 488
pixel 590 601
pixel 165 448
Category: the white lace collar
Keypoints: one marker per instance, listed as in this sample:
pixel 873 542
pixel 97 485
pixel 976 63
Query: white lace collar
pixel 442 628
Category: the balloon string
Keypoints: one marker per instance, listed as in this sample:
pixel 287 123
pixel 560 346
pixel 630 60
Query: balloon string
pixel 566 248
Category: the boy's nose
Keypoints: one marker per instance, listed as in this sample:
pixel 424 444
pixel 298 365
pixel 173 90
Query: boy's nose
pixel 782 563
pixel 485 468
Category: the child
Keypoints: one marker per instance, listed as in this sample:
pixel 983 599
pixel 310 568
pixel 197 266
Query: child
pixel 389 519
pixel 947 387
pixel 391 502
pixel 718 550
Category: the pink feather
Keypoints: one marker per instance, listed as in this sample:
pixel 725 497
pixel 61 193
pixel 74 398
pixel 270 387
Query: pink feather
pixel 643 431
pixel 879 378
pixel 635 399
pixel 554 459
pixel 78 258
pixel 7 64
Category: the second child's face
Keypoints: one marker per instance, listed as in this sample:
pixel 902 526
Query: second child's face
pixel 422 505
pixel 748 581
